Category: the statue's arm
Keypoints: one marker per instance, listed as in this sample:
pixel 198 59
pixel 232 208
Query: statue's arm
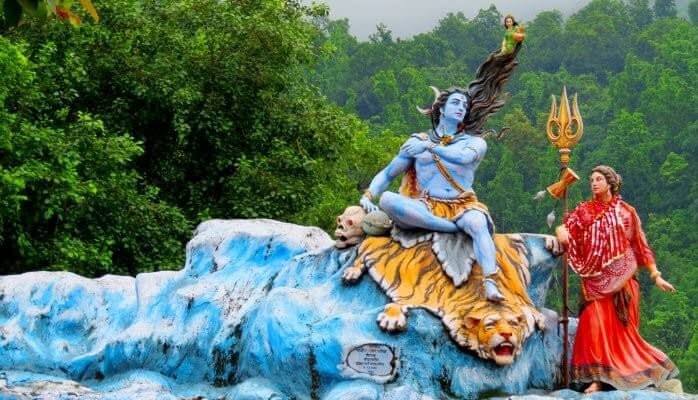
pixel 463 152
pixel 643 253
pixel 382 180
pixel 645 256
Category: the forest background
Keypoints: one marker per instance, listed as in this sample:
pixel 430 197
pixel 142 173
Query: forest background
pixel 118 137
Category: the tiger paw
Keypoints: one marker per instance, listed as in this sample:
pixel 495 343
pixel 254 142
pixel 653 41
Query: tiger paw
pixel 459 335
pixel 461 338
pixel 352 274
pixel 393 318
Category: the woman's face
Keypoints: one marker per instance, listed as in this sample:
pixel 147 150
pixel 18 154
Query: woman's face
pixel 508 22
pixel 599 185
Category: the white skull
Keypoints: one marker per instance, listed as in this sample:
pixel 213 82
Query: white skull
pixel 349 232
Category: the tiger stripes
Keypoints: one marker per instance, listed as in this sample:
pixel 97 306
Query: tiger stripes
pixel 413 278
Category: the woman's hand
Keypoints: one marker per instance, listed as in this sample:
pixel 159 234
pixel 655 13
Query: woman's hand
pixel 367 204
pixel 563 236
pixel 664 285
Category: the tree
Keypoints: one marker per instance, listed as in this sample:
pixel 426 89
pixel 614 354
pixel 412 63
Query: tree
pixel 71 198
pixel 693 11
pixel 382 34
pixel 596 38
pixel 544 35
pixel 689 362
pixel 665 8
pixel 505 194
pixel 637 154
pixel 670 326
pixel 640 12
pixel 216 91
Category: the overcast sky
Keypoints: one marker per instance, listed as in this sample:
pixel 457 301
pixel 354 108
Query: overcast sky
pixel 408 17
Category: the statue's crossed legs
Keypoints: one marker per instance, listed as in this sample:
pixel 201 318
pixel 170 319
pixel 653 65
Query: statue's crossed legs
pixel 410 213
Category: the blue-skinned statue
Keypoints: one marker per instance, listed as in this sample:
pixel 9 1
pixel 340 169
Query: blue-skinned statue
pixel 439 167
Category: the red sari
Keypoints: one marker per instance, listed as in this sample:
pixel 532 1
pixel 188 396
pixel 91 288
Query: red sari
pixel 606 245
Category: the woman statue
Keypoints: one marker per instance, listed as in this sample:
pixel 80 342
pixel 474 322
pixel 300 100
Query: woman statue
pixel 605 244
pixel 514 34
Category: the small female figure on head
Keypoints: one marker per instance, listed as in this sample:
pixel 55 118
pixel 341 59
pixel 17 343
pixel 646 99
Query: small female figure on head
pixel 514 34
pixel 605 244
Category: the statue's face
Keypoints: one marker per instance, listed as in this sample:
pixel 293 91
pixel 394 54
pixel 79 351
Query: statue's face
pixel 599 185
pixel 455 108
pixel 508 22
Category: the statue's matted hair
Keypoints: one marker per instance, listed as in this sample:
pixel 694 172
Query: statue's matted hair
pixel 483 92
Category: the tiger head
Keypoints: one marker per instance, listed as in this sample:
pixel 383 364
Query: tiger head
pixel 497 334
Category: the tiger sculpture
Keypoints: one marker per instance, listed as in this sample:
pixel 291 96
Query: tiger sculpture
pixel 413 278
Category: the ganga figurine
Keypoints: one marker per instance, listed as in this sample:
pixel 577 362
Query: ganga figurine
pixel 514 34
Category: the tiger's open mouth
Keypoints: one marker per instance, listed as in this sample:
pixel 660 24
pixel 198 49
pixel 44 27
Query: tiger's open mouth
pixel 504 349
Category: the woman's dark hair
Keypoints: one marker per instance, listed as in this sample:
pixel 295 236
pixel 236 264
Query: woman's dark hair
pixel 513 21
pixel 614 180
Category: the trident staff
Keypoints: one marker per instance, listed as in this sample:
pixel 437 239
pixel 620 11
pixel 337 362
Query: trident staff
pixel 564 130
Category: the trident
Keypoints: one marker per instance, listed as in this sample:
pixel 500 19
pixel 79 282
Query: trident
pixel 564 129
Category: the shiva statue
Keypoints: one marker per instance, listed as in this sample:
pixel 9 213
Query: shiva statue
pixel 439 167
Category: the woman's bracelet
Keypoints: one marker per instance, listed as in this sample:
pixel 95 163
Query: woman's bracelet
pixel 654 275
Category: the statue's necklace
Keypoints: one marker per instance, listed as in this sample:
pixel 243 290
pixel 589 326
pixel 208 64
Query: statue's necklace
pixel 445 139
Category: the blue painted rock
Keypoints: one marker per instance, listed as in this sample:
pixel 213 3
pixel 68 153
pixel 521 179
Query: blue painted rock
pixel 259 311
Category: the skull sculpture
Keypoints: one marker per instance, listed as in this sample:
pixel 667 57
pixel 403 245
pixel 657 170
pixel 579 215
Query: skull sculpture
pixel 349 232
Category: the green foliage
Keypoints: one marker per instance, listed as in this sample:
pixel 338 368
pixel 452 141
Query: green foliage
pixel 640 12
pixel 597 38
pixel 693 11
pixel 689 362
pixel 671 325
pixel 70 196
pixel 214 90
pixel 542 43
pixel 120 136
pixel 665 8
pixel 674 168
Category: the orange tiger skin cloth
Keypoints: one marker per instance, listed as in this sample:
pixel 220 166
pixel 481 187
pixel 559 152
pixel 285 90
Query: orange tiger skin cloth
pixel 414 278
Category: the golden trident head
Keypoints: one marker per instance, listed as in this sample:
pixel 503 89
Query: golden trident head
pixel 564 127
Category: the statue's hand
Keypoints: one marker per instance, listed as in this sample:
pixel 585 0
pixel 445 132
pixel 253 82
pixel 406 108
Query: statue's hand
pixel 664 285
pixel 553 245
pixel 414 146
pixel 563 236
pixel 352 274
pixel 367 204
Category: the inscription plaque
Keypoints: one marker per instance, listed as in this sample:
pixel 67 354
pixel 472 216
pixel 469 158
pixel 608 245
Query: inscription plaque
pixel 373 359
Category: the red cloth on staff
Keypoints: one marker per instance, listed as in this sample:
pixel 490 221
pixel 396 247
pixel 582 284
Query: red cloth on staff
pixel 606 245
